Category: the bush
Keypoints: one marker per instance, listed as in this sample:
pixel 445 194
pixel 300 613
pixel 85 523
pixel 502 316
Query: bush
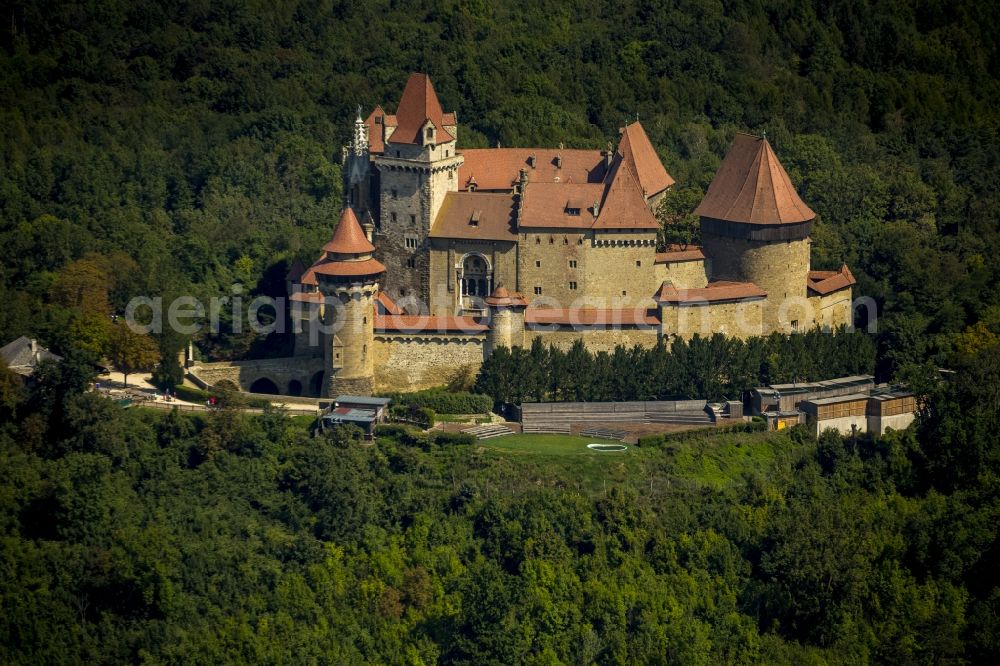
pixel 443 402
pixel 445 438
pixel 650 441
pixel 404 434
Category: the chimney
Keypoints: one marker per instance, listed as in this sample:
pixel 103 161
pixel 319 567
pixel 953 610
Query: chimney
pixel 559 161
pixel 531 160
pixel 34 346
pixel 597 208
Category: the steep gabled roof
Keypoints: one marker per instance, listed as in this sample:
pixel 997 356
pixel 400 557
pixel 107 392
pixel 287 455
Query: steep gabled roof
pixel 624 205
pixel 752 187
pixel 349 238
pixel 641 156
pixel 419 104
pixel 376 137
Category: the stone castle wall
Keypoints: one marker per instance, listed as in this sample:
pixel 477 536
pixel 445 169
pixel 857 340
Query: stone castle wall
pixel 446 255
pixel 683 274
pixel 778 267
pixel 595 339
pixel 405 362
pixel 741 319
pixel 833 310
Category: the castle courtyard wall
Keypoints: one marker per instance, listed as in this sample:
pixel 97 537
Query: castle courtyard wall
pixel 691 274
pixel 411 362
pixel 740 319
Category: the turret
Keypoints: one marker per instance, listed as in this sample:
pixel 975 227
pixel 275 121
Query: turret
pixel 348 276
pixel 506 319
pixel 756 229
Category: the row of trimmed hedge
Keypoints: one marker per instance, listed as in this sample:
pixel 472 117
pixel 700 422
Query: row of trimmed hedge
pixel 445 402
pixel 412 436
pixel 653 441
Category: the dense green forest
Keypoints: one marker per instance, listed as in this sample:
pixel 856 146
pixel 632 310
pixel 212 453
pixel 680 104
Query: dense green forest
pixel 179 147
pixel 714 368
pixel 167 148
pixel 139 536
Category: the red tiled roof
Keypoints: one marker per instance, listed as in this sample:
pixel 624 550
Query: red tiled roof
pixel 503 298
pixel 500 168
pixel 348 237
pixel 428 324
pixel 494 215
pixel 546 205
pixel 677 253
pixel 346 268
pixel 419 104
pixel 388 304
pixel 713 293
pixel 639 152
pixel 624 206
pixel 639 316
pixel 376 136
pixel 752 187
pixel 827 282
pixel 308 278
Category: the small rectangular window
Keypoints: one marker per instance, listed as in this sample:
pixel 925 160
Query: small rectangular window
pixel 624 293
pixel 538 264
pixel 537 240
pixel 411 243
pixel 538 291
pixel 572 285
pixel 392 216
pixel 413 218
pixel 411 263
pixel 795 324
pixel 395 194
pixel 638 264
pixel 572 263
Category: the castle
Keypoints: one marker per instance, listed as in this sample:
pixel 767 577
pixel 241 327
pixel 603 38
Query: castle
pixel 442 254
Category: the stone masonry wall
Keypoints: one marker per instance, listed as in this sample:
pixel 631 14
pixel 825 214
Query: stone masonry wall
pixel 683 274
pixel 833 310
pixel 405 362
pixel 445 255
pixel 778 267
pixel 740 319
pixel 595 339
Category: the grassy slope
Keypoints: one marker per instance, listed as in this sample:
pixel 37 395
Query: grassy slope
pixel 563 461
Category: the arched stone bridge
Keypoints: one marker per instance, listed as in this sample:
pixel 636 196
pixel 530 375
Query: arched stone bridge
pixel 285 376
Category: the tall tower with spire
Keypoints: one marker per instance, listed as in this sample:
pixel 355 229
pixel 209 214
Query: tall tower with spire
pixel 755 228
pixel 357 167
pixel 417 168
pixel 348 276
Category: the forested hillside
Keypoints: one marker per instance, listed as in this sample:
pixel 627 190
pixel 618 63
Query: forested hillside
pixel 138 536
pixel 188 145
pixel 168 148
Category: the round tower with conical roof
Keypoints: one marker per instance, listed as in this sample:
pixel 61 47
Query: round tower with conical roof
pixel 348 276
pixel 755 228
pixel 506 319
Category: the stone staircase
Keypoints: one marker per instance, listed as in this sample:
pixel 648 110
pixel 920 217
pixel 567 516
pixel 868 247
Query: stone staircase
pixel 488 431
pixel 605 433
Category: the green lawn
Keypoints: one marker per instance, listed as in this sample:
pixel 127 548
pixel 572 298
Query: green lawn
pixel 552 445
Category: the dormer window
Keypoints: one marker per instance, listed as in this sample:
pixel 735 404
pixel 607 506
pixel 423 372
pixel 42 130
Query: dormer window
pixel 378 120
pixel 476 216
pixel 572 211
pixel 429 134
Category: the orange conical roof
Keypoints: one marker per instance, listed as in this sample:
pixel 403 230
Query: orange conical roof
pixel 640 154
pixel 501 297
pixel 752 187
pixel 418 104
pixel 348 237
